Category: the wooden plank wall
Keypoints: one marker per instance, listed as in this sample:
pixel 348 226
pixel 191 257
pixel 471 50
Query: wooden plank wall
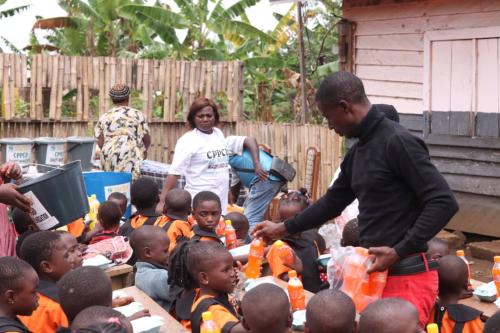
pixel 288 141
pixel 178 83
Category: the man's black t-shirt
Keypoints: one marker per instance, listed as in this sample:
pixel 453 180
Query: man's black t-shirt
pixel 403 199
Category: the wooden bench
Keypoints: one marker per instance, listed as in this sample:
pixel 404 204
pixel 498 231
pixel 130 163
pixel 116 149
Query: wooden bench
pixel 488 309
pixel 121 276
pixel 170 326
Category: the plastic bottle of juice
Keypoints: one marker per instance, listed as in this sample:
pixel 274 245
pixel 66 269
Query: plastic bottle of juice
pixel 372 288
pixel 93 208
pixel 208 325
pixel 255 258
pixel 496 274
pixel 461 255
pixel 285 252
pixel 355 271
pixel 432 328
pixel 296 292
pixel 230 235
pixel 221 227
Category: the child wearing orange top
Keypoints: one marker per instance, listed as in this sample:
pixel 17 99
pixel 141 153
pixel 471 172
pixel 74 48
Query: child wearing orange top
pixel 108 215
pixel 177 209
pixel 50 256
pixel 207 212
pixel 448 314
pixel 303 245
pixel 210 267
pixel 145 195
pixel 18 283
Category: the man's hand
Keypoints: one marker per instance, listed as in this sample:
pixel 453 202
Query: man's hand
pixel 10 196
pixel 11 170
pixel 259 172
pixel 270 231
pixel 385 257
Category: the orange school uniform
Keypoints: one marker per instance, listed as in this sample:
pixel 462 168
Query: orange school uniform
pixel 138 220
pixel 76 228
pixel 49 316
pixel 177 228
pixel 457 318
pixel 202 235
pixel 223 312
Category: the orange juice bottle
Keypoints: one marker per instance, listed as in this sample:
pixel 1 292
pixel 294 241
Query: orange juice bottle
pixel 221 226
pixel 296 292
pixel 376 284
pixel 255 258
pixel 230 235
pixel 284 252
pixel 432 328
pixel 461 255
pixel 354 272
pixel 208 325
pixel 496 274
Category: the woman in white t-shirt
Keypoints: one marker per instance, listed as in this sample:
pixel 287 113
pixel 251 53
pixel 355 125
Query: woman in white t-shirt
pixel 200 155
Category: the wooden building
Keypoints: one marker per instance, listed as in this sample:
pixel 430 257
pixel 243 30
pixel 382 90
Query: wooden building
pixel 438 63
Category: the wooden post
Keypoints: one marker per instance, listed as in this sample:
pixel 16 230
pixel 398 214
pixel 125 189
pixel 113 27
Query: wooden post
pixel 303 78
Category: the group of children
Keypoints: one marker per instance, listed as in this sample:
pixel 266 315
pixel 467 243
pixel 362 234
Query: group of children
pixel 182 264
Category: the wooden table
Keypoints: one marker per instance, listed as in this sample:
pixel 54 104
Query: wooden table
pixel 121 276
pixel 171 325
pixel 488 309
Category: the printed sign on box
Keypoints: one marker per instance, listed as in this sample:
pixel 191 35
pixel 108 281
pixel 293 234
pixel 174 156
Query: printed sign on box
pixel 42 217
pixel 55 154
pixel 121 188
pixel 19 153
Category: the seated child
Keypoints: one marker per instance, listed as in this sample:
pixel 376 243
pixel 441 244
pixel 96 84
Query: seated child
pixel 145 195
pixel 210 266
pixel 22 221
pixel 437 248
pixel 121 200
pixel 389 315
pixel 303 245
pixel 492 325
pixel 330 311
pixel 448 313
pixel 350 234
pixel 275 319
pixel 112 327
pixel 49 255
pixel 75 255
pixel 151 248
pixel 207 212
pixel 84 287
pixel 18 284
pixel 109 216
pixel 241 225
pixel 177 209
pixel 95 315
pixel 21 238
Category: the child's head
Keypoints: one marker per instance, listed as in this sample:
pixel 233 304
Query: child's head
pixel 109 215
pixel 453 276
pixel 177 203
pixel 21 238
pixel 292 203
pixel 266 309
pixel 23 221
pixel 437 248
pixel 350 234
pixel 47 253
pixel 240 224
pixel 211 265
pixel 207 210
pixel 84 287
pixel 75 255
pixel 145 194
pixel 113 327
pixel 389 315
pixel 18 284
pixel 100 315
pixel 492 325
pixel 120 199
pixel 330 311
pixel 150 244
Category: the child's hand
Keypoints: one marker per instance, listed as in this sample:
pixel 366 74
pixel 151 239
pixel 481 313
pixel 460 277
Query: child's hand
pixel 121 301
pixel 140 314
pixel 10 196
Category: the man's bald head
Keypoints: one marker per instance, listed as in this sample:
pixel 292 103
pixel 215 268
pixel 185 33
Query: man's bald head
pixel 266 309
pixel 389 315
pixel 330 311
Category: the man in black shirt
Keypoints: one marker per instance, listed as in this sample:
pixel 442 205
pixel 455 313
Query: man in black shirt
pixel 403 199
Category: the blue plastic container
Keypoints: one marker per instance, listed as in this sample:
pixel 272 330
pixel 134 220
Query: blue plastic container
pixel 102 184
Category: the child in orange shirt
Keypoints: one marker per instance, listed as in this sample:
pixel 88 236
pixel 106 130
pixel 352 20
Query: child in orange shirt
pixel 210 266
pixel 177 209
pixel 207 212
pixel 145 195
pixel 108 215
pixel 49 255
pixel 75 254
pixel 18 284
pixel 448 314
